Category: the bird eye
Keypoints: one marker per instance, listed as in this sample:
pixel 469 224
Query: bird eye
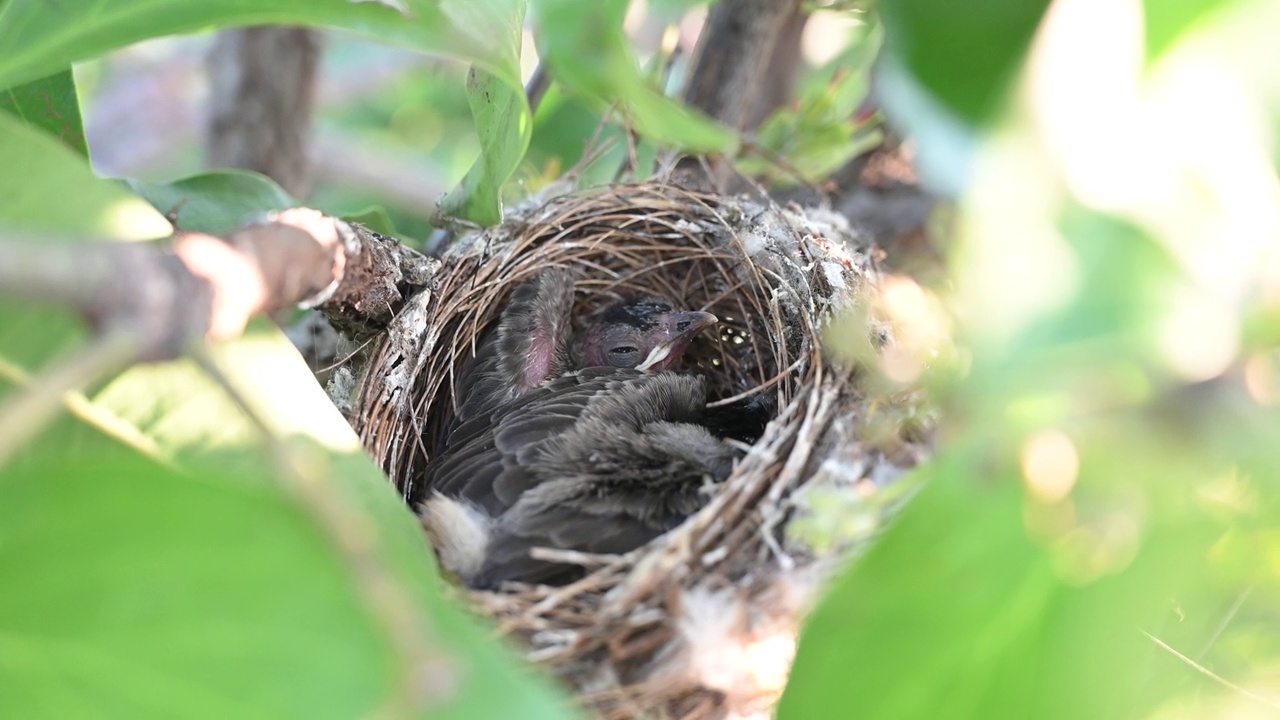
pixel 623 356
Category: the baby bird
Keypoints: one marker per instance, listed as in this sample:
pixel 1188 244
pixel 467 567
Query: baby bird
pixel 593 445
pixel 534 341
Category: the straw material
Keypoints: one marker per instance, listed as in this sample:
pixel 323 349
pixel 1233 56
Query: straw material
pixel 701 622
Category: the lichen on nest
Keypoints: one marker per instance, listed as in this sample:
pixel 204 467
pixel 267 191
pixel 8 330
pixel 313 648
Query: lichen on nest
pixel 632 635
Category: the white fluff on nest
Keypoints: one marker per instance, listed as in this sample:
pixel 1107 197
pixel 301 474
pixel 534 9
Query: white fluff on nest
pixel 741 646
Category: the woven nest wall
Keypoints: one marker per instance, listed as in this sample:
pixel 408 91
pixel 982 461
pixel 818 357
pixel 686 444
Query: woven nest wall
pixel 700 622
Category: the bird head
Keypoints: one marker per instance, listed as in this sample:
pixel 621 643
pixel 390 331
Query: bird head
pixel 645 335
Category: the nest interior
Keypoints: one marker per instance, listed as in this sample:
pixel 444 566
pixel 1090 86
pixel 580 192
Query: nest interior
pixel 633 636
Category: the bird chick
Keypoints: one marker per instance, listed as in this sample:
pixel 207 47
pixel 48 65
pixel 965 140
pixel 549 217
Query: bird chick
pixel 530 343
pixel 645 335
pixel 534 340
pixel 607 451
pixel 600 461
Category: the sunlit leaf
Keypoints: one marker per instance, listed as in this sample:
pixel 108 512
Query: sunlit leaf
pixel 49 187
pixel 1166 20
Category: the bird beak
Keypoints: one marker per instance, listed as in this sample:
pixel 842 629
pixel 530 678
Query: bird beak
pixel 680 327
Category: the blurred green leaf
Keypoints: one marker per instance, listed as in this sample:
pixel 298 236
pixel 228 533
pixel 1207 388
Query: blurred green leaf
pixel 818 134
pixel 676 8
pixel 376 219
pixel 48 193
pixel 46 186
pixel 50 104
pixel 41 37
pixel 589 53
pixel 964 54
pixel 215 588
pixel 1166 20
pixel 1098 535
pixel 216 202
pixel 131 591
pixel 957 613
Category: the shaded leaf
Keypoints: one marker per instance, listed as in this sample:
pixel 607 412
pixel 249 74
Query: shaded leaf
pixel 502 115
pixel 216 202
pixel 589 53
pixel 820 131
pixel 376 219
pixel 964 54
pixel 50 104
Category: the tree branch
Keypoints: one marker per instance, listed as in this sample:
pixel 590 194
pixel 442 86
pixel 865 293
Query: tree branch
pixel 205 288
pixel 746 60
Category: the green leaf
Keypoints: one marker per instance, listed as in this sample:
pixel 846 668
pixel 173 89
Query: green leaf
pixel 589 53
pixel 820 131
pixel 48 194
pixel 1166 20
pixel 378 220
pixel 40 37
pixel 964 54
pixel 50 104
pixel 958 613
pixel 216 202
pixel 501 114
pixel 47 187
pixel 134 592
pixel 220 586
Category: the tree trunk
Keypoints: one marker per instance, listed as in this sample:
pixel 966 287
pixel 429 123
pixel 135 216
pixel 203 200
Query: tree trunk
pixel 262 101
pixel 746 60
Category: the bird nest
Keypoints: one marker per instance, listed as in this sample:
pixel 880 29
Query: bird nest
pixel 700 622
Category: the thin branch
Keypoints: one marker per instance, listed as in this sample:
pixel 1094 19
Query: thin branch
pixel 96 416
pixel 1212 675
pixel 34 407
pixel 537 87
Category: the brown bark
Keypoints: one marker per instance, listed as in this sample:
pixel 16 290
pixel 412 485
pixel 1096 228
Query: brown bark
pixel 202 287
pixel 746 60
pixel 262 100
pixel 744 67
